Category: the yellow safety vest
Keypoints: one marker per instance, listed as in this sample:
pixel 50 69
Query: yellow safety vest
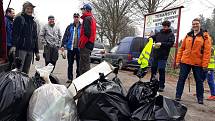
pixel 211 64
pixel 145 54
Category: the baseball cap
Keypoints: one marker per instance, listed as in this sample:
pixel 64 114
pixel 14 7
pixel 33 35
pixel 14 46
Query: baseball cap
pixel 86 7
pixel 76 14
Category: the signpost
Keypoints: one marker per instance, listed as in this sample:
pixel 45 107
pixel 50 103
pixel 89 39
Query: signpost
pixel 153 23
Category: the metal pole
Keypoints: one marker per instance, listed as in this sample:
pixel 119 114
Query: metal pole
pixel 177 38
pixel 9 4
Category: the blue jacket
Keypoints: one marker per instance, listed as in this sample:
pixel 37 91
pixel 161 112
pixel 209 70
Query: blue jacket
pixel 9 28
pixel 68 36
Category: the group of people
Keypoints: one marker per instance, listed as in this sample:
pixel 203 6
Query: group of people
pixel 196 53
pixel 78 39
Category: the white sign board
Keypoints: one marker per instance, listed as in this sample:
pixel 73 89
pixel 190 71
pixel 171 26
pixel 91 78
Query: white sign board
pixel 153 22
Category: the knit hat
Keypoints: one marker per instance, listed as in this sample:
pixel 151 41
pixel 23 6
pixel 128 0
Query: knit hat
pixel 27 4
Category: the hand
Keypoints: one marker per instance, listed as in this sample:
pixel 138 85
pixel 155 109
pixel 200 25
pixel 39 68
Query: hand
pixel 158 44
pixel 12 50
pixel 37 57
pixel 177 65
pixel 62 49
pixel 63 55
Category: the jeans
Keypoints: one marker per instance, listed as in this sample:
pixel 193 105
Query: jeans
pixel 159 65
pixel 198 76
pixel 70 55
pixel 210 78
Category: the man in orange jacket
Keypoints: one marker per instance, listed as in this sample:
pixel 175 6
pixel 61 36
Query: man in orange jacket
pixel 194 54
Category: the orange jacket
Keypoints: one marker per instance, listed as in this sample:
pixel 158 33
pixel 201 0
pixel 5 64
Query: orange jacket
pixel 195 53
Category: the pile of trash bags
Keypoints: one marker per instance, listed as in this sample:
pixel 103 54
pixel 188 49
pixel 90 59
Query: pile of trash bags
pixel 25 98
pixel 105 100
pixel 41 98
pixel 147 105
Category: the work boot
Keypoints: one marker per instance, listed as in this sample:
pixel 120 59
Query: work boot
pixel 200 102
pixel 161 89
pixel 69 81
pixel 177 99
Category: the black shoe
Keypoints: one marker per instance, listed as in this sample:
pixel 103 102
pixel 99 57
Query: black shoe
pixel 161 90
pixel 200 102
pixel 69 81
pixel 177 99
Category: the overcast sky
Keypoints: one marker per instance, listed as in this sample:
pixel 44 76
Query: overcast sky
pixel 63 11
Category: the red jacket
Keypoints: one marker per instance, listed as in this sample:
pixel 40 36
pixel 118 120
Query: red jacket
pixel 88 31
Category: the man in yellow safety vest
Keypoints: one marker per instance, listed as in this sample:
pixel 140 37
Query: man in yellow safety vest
pixel 210 75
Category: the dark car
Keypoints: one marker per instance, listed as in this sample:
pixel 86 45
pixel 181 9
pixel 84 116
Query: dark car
pixel 126 53
pixel 98 52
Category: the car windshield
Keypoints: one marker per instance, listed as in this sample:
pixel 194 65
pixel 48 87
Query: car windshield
pixel 114 49
pixel 99 46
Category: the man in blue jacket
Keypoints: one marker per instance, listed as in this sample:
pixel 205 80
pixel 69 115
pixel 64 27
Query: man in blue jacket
pixel 70 41
pixel 9 17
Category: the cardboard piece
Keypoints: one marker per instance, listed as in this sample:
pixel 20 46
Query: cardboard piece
pixel 90 76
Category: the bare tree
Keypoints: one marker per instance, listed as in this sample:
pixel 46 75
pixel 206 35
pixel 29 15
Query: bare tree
pixel 112 17
pixel 128 31
pixel 149 6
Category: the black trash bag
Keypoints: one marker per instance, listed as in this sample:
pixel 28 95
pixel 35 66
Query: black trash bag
pixel 160 109
pixel 169 110
pixel 103 101
pixel 141 93
pixel 38 81
pixel 145 112
pixel 16 89
pixel 118 82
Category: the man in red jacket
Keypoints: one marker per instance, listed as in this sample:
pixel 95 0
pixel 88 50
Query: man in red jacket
pixel 87 38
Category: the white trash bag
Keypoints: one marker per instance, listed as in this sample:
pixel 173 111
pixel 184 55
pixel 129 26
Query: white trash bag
pixel 52 102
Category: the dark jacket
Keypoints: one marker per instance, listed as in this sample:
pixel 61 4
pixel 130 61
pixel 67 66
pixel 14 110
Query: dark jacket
pixel 167 40
pixel 88 31
pixel 68 36
pixel 9 28
pixel 24 35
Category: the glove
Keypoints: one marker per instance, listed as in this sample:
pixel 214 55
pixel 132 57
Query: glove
pixel 37 57
pixel 157 45
pixel 12 50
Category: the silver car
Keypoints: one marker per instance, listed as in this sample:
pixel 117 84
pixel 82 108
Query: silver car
pixel 98 53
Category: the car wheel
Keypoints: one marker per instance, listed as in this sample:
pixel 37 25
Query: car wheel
pixel 101 60
pixel 120 64
pixel 91 60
